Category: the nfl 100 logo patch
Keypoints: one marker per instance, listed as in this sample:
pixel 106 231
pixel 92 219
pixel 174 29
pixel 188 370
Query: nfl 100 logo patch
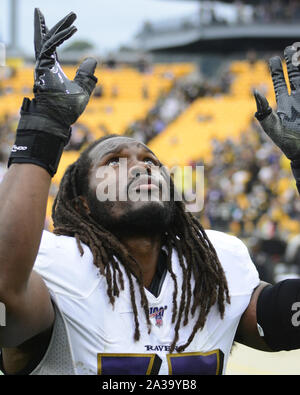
pixel 157 313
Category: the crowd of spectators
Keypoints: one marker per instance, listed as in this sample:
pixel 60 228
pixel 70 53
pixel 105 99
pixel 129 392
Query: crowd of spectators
pixel 277 11
pixel 238 13
pixel 250 193
pixel 171 104
pixel 249 190
pixel 262 11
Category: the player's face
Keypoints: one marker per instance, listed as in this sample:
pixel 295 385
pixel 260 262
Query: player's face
pixel 128 187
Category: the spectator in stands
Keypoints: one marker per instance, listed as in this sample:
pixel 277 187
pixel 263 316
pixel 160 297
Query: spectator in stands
pixel 80 136
pixel 114 91
pixel 111 62
pixel 143 65
pixel 7 135
pixel 98 91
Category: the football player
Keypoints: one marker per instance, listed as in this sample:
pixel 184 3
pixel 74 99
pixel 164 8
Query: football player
pixel 125 285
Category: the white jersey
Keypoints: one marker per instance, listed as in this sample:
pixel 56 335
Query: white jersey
pixel 91 336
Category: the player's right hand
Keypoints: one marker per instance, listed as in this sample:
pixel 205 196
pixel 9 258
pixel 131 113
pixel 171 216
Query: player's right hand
pixel 57 98
pixel 45 124
pixel 283 126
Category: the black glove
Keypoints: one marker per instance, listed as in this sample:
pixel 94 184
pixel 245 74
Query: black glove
pixel 283 126
pixel 45 124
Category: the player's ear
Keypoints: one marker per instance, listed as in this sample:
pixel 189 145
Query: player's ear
pixel 82 204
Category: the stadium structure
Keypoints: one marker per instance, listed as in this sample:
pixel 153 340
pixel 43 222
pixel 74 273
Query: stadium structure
pixel 225 27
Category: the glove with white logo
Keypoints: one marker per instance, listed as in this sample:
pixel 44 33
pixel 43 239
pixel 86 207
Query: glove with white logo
pixel 283 126
pixel 45 124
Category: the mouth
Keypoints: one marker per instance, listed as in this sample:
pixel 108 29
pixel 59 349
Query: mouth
pixel 145 183
pixel 146 187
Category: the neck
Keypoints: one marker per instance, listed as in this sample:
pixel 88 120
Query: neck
pixel 145 250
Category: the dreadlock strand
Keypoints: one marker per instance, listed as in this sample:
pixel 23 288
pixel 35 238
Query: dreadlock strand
pixel 173 276
pixel 109 284
pixel 132 293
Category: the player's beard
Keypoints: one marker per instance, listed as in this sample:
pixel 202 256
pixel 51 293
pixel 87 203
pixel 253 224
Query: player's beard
pixel 148 219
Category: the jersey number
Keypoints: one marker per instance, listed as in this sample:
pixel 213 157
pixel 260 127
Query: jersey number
pixel 192 363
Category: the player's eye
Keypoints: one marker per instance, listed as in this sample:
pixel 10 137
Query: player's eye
pixel 150 161
pixel 113 161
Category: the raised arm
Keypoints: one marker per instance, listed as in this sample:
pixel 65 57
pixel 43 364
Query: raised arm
pixel 283 125
pixel 43 131
pixel 272 319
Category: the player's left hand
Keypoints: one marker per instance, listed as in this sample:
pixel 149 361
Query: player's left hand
pixel 283 126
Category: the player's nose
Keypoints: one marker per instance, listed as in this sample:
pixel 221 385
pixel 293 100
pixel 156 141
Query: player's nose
pixel 138 169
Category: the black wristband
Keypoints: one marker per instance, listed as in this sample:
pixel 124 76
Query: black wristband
pixel 277 314
pixel 39 148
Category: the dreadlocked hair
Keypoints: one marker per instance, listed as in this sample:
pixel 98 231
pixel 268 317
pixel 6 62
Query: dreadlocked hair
pixel 197 256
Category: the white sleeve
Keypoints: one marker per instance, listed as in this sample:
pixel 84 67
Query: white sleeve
pixel 63 269
pixel 241 273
